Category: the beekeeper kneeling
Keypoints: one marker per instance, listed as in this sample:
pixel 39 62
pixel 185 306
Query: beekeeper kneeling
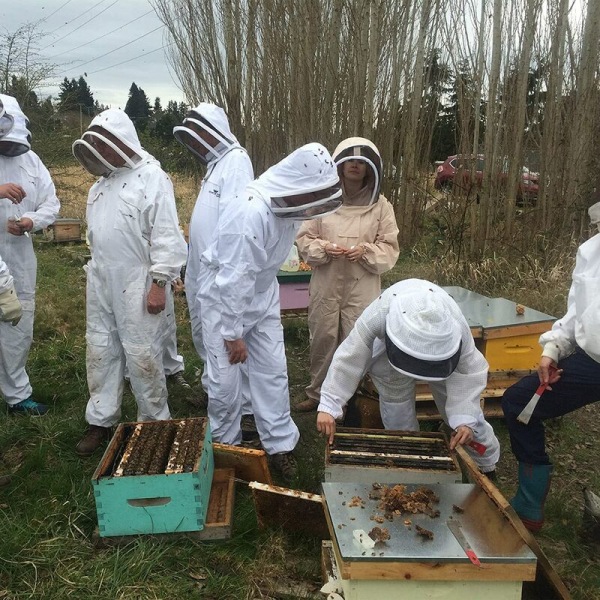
pixel 414 331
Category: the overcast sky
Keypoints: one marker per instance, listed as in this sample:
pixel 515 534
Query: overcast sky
pixel 82 38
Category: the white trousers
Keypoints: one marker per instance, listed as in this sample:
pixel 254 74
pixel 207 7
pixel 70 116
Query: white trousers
pixel 398 411
pixel 266 370
pixel 119 329
pixel 15 343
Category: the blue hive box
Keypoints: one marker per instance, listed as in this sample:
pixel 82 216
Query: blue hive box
pixel 130 501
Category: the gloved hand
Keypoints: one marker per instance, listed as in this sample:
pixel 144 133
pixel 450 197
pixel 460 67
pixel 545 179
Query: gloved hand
pixel 10 307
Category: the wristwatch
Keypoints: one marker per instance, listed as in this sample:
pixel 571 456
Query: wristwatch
pixel 161 283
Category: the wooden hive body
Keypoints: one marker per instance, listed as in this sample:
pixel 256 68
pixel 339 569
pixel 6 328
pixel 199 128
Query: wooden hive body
pixel 358 455
pixel 152 504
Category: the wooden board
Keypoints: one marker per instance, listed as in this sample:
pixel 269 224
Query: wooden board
pixel 249 464
pixel 547 585
pixel 219 517
pixel 292 510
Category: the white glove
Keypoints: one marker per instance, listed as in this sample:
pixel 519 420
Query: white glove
pixel 10 307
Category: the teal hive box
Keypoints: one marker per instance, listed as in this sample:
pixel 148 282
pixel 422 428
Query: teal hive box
pixel 169 502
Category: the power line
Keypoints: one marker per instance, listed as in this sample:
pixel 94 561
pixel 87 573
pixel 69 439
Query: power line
pixel 111 51
pixel 101 36
pixel 53 13
pixel 130 59
pixel 82 25
pixel 85 12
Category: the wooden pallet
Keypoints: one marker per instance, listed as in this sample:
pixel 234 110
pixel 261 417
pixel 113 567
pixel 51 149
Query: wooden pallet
pixel 219 517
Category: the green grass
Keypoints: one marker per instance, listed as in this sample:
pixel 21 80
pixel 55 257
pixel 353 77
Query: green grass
pixel 48 516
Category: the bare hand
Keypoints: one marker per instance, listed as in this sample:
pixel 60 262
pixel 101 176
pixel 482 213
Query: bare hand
pixel 461 435
pixel 178 286
pixel 355 253
pixel 157 299
pixel 548 371
pixel 19 226
pixel 237 351
pixel 326 425
pixel 15 193
pixel 335 251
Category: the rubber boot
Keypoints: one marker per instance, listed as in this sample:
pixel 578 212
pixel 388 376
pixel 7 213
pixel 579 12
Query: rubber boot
pixel 534 483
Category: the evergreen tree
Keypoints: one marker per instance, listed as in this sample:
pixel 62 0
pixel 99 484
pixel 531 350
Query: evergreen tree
pixel 76 95
pixel 164 122
pixel 67 95
pixel 138 107
pixel 85 97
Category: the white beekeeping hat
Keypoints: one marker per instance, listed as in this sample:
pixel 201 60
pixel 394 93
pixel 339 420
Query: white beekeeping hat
pixel 422 338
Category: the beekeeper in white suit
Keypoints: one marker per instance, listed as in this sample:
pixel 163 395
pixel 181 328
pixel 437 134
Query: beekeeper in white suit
pixel 206 133
pixel 413 332
pixel 137 251
pixel 28 203
pixel 240 297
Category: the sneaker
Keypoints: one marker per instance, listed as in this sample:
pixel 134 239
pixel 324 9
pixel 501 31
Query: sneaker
pixel 179 379
pixel 94 438
pixel 308 405
pixel 285 464
pixel 28 407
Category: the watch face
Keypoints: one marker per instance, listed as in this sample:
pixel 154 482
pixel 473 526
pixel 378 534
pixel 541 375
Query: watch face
pixel 160 282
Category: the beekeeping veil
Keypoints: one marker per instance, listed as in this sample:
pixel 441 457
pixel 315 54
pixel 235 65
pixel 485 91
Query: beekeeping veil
pixel 211 119
pixel 15 138
pixel 304 185
pixel 111 132
pixel 422 339
pixel 358 148
pixel 594 213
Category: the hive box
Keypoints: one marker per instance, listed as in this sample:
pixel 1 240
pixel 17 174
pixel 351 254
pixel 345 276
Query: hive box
pixel 152 504
pixel 408 566
pixel 67 230
pixel 384 456
pixel 505 332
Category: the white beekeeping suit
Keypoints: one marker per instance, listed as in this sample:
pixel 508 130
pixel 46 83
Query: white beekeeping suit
pixel 240 294
pixel 20 167
pixel 414 326
pixel 229 170
pixel 136 246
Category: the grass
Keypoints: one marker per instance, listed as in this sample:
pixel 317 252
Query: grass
pixel 48 516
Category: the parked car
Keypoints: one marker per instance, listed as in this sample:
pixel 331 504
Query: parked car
pixel 446 174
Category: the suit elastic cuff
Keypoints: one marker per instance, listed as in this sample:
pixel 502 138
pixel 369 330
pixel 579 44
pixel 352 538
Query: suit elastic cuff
pixel 552 351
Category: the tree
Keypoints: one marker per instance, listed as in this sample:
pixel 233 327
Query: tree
pixel 164 121
pixel 138 107
pixel 76 95
pixel 85 98
pixel 20 62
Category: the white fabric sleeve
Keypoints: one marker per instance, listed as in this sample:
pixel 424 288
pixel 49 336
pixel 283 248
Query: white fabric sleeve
pixel 241 251
pixel 560 340
pixel 168 250
pixel 465 386
pixel 352 359
pixel 6 279
pixel 47 203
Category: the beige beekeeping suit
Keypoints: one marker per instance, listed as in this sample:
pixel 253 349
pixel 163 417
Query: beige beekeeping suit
pixel 339 289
